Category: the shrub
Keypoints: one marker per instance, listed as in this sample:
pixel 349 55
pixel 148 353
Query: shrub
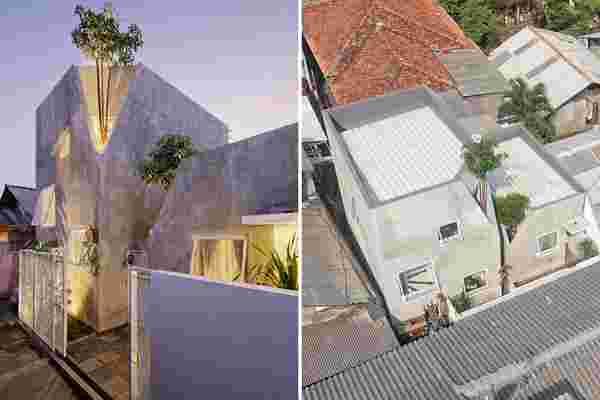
pixel 461 302
pixel 588 248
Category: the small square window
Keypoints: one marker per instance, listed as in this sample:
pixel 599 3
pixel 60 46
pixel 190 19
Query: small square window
pixel 416 280
pixel 448 232
pixel 475 281
pixel 547 243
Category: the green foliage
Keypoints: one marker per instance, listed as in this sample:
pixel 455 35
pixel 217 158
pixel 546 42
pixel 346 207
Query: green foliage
pixel 477 18
pixel 162 162
pixel 588 248
pixel 541 128
pixel 41 245
pixel 99 37
pixel 478 21
pixel 559 15
pixel 279 271
pixel 562 17
pixel 462 302
pixel 511 209
pixel 480 158
pixel 530 106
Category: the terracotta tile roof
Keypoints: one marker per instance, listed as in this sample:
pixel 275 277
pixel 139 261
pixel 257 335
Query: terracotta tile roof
pixel 369 47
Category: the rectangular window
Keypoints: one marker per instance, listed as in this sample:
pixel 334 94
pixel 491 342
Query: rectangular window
pixel 417 280
pixel 448 232
pixel 475 281
pixel 547 243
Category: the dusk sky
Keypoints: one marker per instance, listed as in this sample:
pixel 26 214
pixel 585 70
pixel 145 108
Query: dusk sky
pixel 236 58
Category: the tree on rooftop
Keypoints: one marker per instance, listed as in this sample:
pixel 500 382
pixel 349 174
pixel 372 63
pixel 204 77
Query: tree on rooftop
pixel 163 160
pixel 530 106
pixel 98 37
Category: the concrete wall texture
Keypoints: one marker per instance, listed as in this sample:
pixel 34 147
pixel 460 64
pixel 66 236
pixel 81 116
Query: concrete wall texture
pixel 101 188
pixel 213 192
pixel 221 341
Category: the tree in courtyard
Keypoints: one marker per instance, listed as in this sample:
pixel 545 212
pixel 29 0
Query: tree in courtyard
pixel 480 158
pixel 531 107
pixel 511 211
pixel 98 36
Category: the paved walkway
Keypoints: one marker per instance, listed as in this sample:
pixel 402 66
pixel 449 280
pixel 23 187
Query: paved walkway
pixel 24 373
pixel 105 358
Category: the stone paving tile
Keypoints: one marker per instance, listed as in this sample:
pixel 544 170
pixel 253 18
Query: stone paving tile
pixel 102 375
pixel 108 357
pixel 105 358
pixel 89 365
pixel 117 386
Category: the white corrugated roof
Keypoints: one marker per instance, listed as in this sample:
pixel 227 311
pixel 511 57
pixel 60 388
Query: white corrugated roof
pixel 405 153
pixel 569 66
pixel 530 175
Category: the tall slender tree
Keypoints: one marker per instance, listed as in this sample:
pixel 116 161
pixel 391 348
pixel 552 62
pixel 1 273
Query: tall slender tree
pixel 98 36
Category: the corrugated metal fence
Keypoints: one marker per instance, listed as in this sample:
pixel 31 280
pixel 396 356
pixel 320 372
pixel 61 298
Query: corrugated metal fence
pixel 42 297
pixel 139 282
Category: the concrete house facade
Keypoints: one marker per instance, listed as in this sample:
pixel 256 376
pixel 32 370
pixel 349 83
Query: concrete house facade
pixel 560 214
pixel 396 156
pixel 567 69
pixel 92 184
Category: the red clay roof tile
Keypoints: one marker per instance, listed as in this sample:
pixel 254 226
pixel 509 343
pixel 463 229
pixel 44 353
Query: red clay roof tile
pixel 369 47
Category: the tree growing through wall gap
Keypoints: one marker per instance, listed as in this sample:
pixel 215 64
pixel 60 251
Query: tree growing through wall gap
pixel 98 36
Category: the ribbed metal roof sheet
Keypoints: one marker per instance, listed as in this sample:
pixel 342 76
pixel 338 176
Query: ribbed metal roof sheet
pixel 514 330
pixel 405 153
pixel 565 66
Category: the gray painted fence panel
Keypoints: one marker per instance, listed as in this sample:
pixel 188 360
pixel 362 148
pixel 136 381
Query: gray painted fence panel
pixel 220 341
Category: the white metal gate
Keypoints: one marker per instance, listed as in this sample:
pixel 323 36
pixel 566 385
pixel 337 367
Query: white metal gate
pixel 139 281
pixel 42 299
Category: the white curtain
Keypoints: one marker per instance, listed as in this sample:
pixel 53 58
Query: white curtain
pixel 219 259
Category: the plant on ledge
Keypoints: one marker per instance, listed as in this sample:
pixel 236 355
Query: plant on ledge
pixel 588 248
pixel 278 271
pixel 481 157
pixel 461 302
pixel 511 211
pixel 98 37
pixel 162 162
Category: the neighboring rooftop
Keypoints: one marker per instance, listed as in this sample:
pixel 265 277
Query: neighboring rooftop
pixel 369 47
pixel 350 337
pixel 564 65
pixel 472 73
pixel 17 205
pixel 529 170
pixel 548 333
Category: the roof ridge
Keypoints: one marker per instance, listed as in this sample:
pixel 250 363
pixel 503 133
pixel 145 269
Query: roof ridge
pixel 540 36
pixel 424 27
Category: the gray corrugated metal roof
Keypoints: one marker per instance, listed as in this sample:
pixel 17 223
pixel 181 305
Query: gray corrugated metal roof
pixel 512 331
pixel 473 73
pixel 565 66
pixel 350 338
